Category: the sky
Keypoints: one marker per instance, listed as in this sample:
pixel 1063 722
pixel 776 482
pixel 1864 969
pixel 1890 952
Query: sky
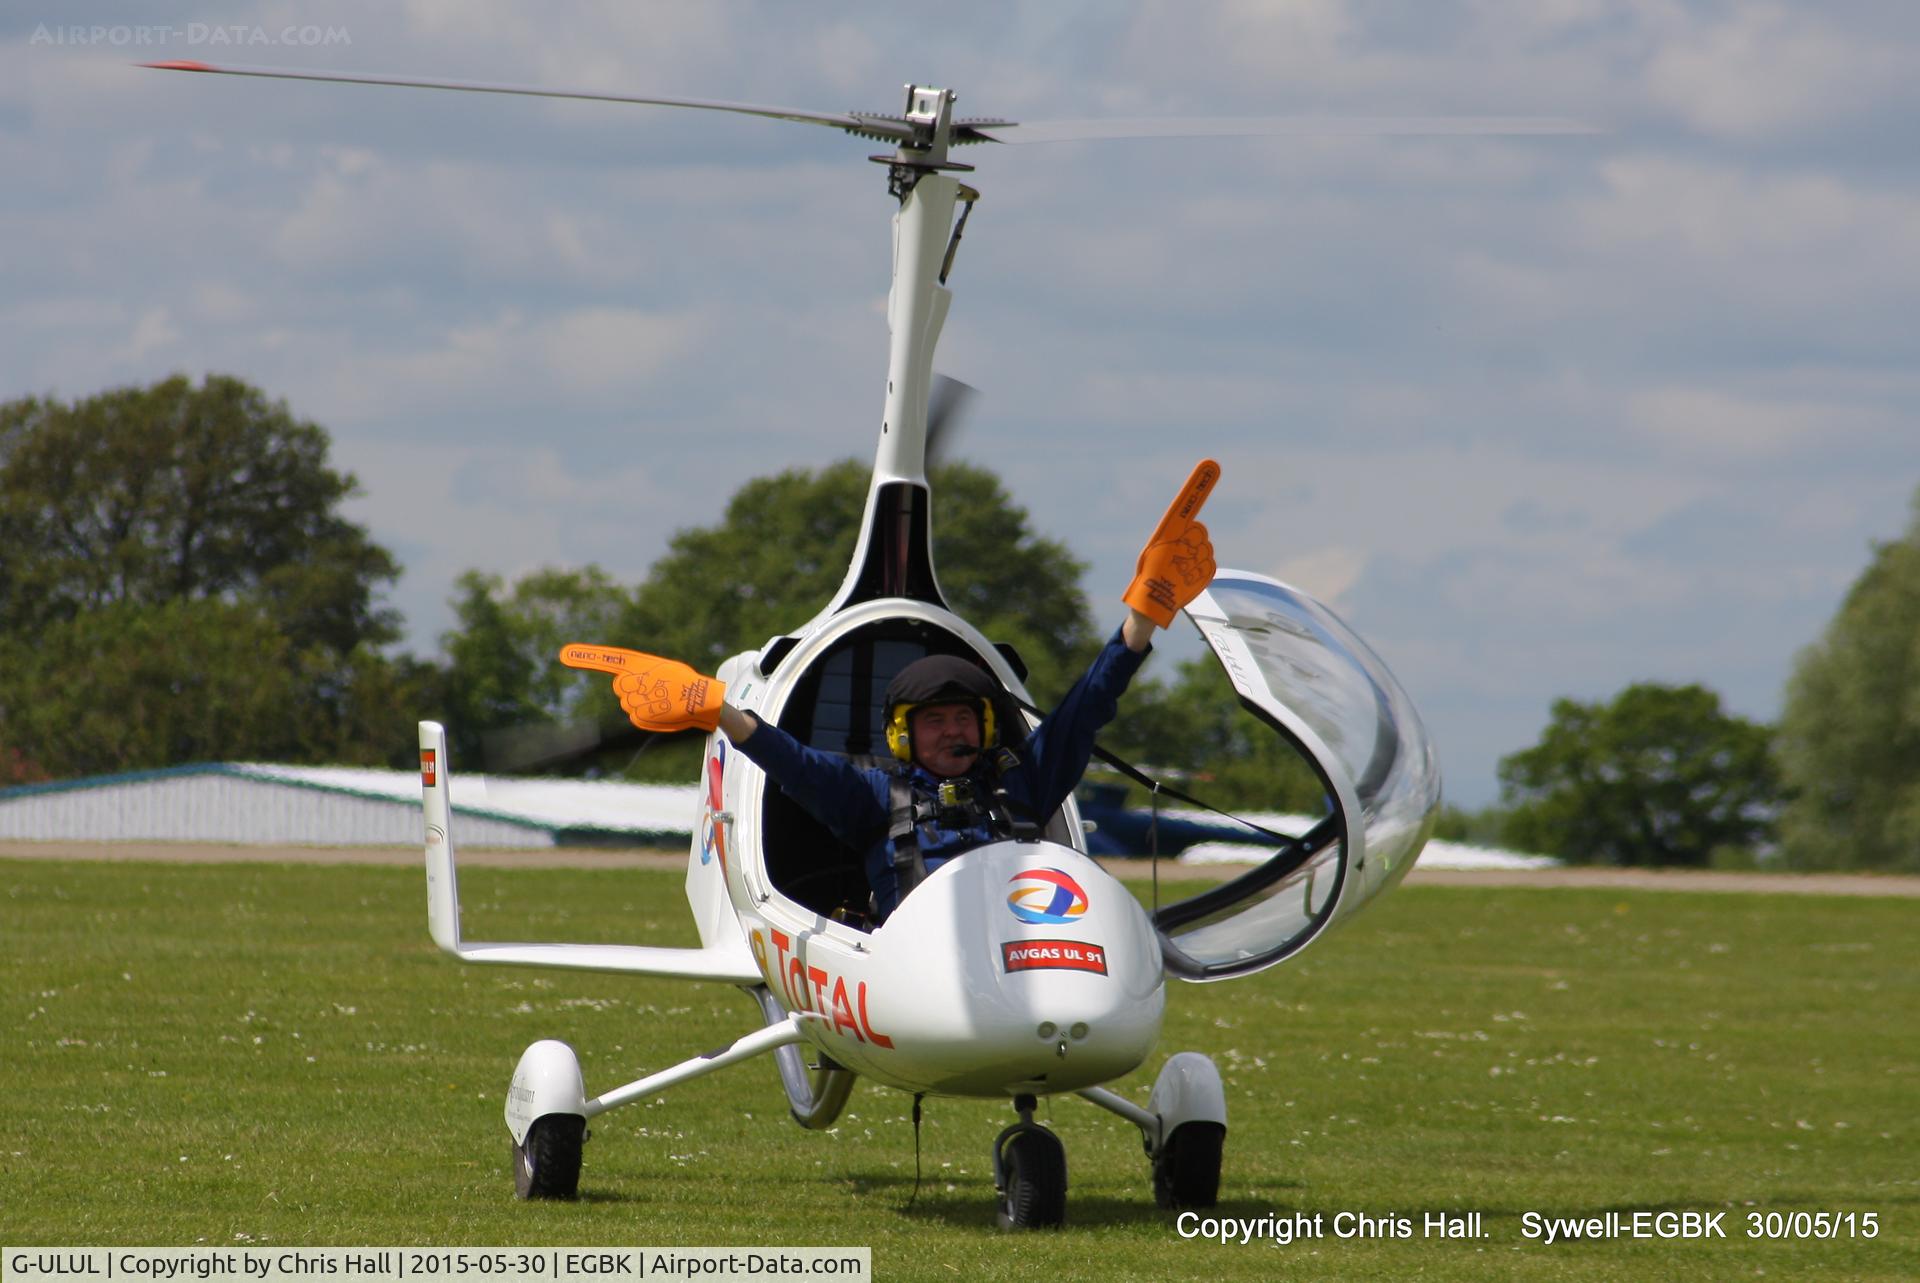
pixel 1539 416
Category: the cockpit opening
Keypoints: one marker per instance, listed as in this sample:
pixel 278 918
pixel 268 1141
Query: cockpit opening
pixel 838 706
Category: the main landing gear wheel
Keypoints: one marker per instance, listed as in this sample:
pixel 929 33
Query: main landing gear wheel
pixel 547 1163
pixel 1186 1171
pixel 1030 1168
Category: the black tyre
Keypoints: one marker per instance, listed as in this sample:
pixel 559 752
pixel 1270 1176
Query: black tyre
pixel 1186 1172
pixel 1035 1165
pixel 547 1163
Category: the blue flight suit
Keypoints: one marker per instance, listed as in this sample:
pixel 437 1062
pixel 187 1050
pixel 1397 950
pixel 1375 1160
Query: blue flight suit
pixel 855 802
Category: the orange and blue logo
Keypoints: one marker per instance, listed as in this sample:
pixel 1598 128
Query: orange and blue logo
pixel 713 836
pixel 1042 897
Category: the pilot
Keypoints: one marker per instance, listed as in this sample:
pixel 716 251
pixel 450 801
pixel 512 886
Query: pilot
pixel 964 777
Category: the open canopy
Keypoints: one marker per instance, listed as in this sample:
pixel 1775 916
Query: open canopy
pixel 1309 678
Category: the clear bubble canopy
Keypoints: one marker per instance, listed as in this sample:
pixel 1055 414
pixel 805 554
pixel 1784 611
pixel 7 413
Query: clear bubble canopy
pixel 1308 678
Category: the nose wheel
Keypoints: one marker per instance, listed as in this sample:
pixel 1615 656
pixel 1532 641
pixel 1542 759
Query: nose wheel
pixel 547 1163
pixel 1030 1173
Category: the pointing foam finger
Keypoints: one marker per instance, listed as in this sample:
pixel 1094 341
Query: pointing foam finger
pixel 1187 504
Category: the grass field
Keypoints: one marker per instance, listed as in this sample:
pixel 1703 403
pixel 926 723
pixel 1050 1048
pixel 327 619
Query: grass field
pixel 256 1054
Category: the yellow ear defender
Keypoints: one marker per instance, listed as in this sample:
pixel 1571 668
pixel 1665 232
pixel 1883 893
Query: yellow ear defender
pixel 900 739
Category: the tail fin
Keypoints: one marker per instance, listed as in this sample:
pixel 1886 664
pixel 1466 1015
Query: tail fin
pixel 443 887
pixel 726 961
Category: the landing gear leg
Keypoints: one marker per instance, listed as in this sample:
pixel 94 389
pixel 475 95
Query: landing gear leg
pixel 1191 1104
pixel 548 1109
pixel 1184 1129
pixel 1030 1173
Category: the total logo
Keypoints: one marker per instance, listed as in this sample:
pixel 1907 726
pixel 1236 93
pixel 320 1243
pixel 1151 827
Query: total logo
pixel 1046 897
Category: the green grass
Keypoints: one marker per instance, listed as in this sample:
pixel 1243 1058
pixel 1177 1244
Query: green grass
pixel 258 1054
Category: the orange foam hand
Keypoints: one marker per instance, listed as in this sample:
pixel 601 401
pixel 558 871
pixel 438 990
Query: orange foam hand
pixel 1178 559
pixel 657 694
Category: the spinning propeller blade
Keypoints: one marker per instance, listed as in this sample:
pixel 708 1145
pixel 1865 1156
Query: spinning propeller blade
pixel 514 750
pixel 545 749
pixel 946 414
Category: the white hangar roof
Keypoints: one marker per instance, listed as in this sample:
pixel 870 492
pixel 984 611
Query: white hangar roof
pixel 252 803
pixel 256 804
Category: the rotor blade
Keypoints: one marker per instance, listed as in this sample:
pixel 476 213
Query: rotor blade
pixel 1065 131
pixel 946 413
pixel 887 128
pixel 870 125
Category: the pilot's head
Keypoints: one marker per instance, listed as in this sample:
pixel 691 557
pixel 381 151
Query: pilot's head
pixel 939 714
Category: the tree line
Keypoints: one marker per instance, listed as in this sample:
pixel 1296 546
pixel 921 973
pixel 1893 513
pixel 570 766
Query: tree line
pixel 178 584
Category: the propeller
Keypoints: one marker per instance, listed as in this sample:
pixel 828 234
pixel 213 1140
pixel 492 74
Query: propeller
pixel 550 747
pixel 534 746
pixel 947 404
pixel 917 132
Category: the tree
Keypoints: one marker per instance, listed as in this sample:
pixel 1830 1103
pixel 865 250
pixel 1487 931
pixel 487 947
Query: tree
pixel 1659 776
pixel 1195 735
pixel 502 673
pixel 182 681
pixel 1850 732
pixel 172 492
pixel 177 584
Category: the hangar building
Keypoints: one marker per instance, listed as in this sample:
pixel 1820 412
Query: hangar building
pixel 253 804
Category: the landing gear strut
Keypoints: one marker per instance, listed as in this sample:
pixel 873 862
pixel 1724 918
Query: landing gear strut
pixel 1030 1173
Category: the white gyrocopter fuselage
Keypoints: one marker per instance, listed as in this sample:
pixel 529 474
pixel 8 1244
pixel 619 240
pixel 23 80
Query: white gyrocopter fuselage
pixel 1021 968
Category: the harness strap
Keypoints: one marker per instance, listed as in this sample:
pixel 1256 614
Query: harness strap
pixel 909 867
pixel 906 812
pixel 1008 816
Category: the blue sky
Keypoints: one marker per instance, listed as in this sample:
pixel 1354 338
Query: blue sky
pixel 1539 416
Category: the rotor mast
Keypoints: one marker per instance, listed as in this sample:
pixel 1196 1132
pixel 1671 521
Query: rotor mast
pixel 894 556
pixel 924 237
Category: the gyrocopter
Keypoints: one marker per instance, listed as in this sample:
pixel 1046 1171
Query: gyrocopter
pixel 1022 968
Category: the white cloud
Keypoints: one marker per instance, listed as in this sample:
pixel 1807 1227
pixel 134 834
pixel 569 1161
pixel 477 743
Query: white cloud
pixel 1326 573
pixel 1723 213
pixel 223 303
pixel 1424 505
pixel 1722 255
pixel 1718 423
pixel 1767 69
pixel 153 332
pixel 570 360
pixel 615 349
pixel 508 510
